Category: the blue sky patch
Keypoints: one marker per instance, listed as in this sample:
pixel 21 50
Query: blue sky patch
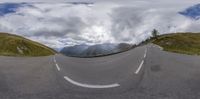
pixel 192 12
pixel 7 8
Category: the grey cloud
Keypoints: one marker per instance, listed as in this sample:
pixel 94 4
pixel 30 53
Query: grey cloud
pixel 124 18
pixel 134 24
pixel 70 25
pixel 58 25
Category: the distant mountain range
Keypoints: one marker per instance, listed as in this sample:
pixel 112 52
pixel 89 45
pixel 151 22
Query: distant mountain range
pixel 192 12
pixel 95 50
pixel 13 45
pixel 78 3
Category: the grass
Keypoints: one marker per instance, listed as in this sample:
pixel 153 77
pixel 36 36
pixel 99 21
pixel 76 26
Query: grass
pixel 13 45
pixel 184 43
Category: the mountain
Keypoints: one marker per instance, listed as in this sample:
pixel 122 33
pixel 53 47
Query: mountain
pixel 13 45
pixel 76 50
pixel 100 49
pixel 81 3
pixel 95 50
pixel 192 12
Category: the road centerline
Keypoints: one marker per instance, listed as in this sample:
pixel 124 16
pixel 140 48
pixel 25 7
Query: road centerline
pixel 141 64
pixel 54 59
pixel 57 66
pixel 145 54
pixel 139 68
pixel 89 85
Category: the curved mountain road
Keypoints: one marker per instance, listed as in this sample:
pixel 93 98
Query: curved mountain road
pixel 145 72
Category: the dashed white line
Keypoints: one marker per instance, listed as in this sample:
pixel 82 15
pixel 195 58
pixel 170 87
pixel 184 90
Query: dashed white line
pixel 54 60
pixel 58 68
pixel 139 68
pixel 145 54
pixel 141 64
pixel 91 86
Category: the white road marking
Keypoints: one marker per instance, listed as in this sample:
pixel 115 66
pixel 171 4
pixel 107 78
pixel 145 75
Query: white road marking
pixel 160 48
pixel 139 68
pixel 141 64
pixel 54 60
pixel 145 54
pixel 90 86
pixel 58 68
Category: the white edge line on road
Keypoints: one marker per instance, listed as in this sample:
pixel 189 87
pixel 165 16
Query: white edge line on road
pixel 90 86
pixel 160 48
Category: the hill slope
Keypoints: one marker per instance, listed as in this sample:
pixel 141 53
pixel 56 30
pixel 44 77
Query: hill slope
pixel 13 45
pixel 186 43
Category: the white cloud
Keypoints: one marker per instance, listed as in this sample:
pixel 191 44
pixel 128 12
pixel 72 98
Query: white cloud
pixel 61 24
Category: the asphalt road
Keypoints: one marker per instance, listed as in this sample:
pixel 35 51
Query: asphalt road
pixel 145 72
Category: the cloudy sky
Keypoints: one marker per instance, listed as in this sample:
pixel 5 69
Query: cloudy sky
pixel 58 23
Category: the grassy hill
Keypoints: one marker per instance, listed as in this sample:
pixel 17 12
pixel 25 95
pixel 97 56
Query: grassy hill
pixel 185 43
pixel 13 45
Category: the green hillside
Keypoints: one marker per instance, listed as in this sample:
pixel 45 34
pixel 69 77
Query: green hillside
pixel 13 45
pixel 186 43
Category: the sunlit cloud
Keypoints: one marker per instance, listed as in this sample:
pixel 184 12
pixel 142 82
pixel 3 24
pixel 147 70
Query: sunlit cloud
pixel 65 24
